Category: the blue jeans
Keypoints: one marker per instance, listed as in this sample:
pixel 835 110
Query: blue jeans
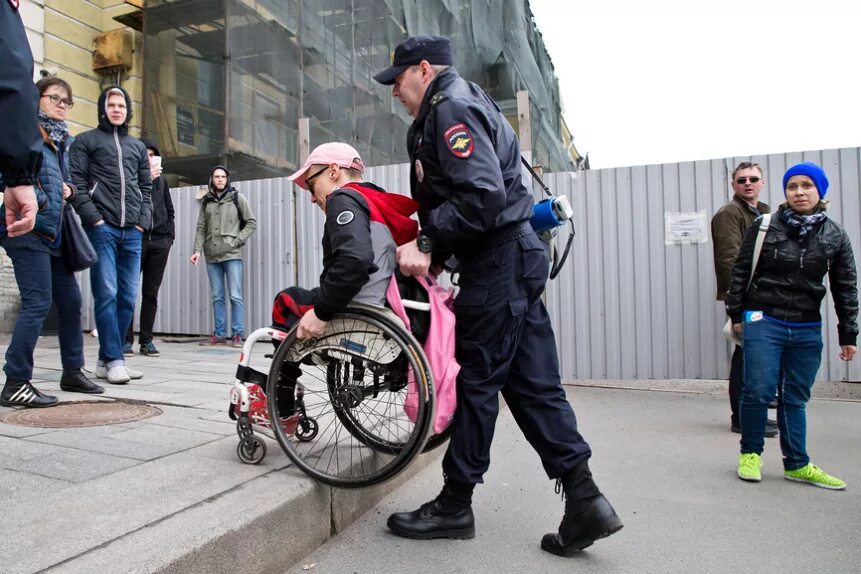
pixel 782 359
pixel 216 272
pixel 114 281
pixel 40 279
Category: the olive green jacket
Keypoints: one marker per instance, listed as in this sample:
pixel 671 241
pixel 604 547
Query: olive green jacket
pixel 728 227
pixel 219 235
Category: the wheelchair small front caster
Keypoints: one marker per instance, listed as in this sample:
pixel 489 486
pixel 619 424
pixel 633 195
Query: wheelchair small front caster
pixel 251 450
pixel 307 429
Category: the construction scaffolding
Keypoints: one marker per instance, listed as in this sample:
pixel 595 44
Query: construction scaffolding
pixel 226 81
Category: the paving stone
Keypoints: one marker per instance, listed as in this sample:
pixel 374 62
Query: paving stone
pixel 70 464
pixel 18 431
pixel 23 485
pixel 138 443
pixel 223 427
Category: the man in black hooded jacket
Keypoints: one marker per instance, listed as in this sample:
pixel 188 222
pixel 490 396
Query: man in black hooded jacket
pixel 116 209
pixel 155 250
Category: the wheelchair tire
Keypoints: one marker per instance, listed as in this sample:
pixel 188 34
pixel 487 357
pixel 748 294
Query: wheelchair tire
pixel 437 440
pixel 363 435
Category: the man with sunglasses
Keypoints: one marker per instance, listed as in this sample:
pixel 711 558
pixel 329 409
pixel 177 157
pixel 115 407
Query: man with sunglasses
pixel 729 225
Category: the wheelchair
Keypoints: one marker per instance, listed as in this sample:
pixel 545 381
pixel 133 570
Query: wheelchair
pixel 357 406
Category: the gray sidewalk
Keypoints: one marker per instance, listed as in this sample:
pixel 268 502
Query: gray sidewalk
pixel 163 494
pixel 667 462
pixel 168 493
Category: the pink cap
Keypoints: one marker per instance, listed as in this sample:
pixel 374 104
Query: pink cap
pixel 338 153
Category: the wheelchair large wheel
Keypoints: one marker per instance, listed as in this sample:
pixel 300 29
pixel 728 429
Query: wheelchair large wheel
pixel 371 422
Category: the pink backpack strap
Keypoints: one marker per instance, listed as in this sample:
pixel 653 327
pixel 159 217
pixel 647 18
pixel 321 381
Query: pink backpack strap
pixel 393 296
pixel 439 348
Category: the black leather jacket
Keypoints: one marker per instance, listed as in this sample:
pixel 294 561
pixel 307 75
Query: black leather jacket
pixel 788 282
pixel 465 171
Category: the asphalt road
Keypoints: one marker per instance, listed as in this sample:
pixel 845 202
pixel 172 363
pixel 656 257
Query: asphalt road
pixel 667 462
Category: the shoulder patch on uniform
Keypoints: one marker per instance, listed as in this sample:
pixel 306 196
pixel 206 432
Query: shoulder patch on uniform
pixel 438 97
pixel 345 217
pixel 14 3
pixel 459 140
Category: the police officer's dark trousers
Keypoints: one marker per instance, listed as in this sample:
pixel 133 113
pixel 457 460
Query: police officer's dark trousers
pixel 505 343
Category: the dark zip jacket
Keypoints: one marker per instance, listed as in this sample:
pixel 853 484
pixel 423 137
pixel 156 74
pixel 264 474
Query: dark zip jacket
pixel 110 170
pixel 364 226
pixel 162 205
pixel 788 282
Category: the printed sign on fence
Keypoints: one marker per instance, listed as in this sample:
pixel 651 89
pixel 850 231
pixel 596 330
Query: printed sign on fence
pixel 685 227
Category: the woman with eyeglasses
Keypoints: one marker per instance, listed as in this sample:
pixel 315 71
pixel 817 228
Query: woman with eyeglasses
pixel 40 272
pixel 778 318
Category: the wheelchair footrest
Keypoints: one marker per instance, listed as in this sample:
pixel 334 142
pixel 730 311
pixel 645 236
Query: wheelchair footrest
pixel 249 375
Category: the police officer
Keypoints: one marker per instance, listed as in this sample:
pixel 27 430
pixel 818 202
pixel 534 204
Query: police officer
pixel 20 140
pixel 465 175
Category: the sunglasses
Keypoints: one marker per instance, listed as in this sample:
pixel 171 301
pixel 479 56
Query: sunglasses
pixel 57 100
pixel 310 177
pixel 744 180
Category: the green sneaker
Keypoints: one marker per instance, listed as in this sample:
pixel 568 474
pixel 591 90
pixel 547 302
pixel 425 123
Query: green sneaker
pixel 812 474
pixel 748 467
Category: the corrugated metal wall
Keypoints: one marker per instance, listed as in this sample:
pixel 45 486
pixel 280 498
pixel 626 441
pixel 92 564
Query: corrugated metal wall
pixel 625 306
pixel 628 306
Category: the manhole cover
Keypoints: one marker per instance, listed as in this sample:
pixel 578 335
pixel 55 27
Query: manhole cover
pixel 84 414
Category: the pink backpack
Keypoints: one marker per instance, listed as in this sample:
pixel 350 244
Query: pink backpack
pixel 438 347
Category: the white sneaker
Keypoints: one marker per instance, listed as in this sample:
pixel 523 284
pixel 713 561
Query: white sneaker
pixel 133 373
pixel 102 372
pixel 118 375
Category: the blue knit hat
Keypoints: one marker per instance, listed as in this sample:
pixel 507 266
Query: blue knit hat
pixel 811 170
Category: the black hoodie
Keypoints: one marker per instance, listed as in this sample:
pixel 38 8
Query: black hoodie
pixel 113 168
pixel 162 206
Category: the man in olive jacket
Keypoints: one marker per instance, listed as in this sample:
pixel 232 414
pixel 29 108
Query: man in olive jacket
pixel 728 228
pixel 224 225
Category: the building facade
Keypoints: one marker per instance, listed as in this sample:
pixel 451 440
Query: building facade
pixel 228 81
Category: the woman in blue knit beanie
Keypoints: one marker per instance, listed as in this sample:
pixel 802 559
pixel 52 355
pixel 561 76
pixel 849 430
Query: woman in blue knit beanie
pixel 778 317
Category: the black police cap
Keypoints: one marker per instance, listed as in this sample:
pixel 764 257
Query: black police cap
pixel 435 49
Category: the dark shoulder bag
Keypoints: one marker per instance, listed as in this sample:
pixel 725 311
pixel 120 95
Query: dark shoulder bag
pixel 78 253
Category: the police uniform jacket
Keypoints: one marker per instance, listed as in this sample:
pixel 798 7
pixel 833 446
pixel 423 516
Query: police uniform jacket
pixel 465 167
pixel 20 142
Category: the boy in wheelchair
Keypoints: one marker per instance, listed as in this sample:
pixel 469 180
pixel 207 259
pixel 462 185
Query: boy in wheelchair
pixel 364 226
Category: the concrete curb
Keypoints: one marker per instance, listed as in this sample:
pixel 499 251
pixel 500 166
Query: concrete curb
pixel 266 524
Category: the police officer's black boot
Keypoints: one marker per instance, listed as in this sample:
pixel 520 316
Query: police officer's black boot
pixel 588 515
pixel 449 515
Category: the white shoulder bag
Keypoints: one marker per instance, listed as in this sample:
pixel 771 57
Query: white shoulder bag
pixel 757 249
